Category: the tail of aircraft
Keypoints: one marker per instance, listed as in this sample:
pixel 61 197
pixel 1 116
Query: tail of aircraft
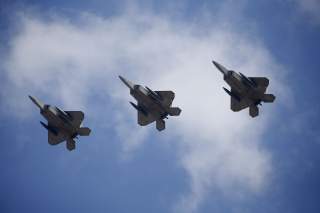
pixel 269 98
pixel 254 111
pixel 160 124
pixel 71 144
pixel 84 131
pixel 174 111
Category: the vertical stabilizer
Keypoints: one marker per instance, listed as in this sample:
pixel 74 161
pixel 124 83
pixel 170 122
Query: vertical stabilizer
pixel 71 144
pixel 254 111
pixel 161 125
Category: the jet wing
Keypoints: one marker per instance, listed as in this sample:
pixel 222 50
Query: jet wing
pixel 167 96
pixel 77 117
pixel 238 105
pixel 144 118
pixel 55 139
pixel 261 82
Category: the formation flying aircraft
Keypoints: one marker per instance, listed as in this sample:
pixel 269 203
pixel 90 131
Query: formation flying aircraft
pixel 152 105
pixel 245 91
pixel 62 125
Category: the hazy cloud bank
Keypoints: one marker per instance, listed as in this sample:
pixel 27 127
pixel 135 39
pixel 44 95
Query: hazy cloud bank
pixel 77 63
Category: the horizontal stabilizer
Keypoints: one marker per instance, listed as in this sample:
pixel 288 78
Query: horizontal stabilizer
pixel 71 144
pixel 174 111
pixel 253 111
pixel 161 125
pixel 269 98
pixel 84 131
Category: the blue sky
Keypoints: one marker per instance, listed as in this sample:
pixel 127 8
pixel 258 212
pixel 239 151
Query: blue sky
pixel 69 54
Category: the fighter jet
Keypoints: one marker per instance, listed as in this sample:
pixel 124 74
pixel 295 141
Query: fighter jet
pixel 152 105
pixel 245 91
pixel 62 125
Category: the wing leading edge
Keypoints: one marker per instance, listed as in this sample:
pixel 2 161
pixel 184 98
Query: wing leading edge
pixel 77 117
pixel 167 97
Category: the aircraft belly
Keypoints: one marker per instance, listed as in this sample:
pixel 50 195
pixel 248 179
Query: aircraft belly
pixel 236 85
pixel 139 96
pixel 155 111
pixel 51 118
pixel 156 108
pixel 57 122
pixel 145 101
pixel 256 95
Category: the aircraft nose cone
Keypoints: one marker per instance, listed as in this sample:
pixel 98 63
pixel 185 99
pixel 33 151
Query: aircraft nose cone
pixel 33 99
pixel 126 82
pixel 36 101
pixel 215 63
pixel 122 79
pixel 221 68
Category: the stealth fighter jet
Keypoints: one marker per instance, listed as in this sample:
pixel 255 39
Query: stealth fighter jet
pixel 245 91
pixel 152 105
pixel 62 125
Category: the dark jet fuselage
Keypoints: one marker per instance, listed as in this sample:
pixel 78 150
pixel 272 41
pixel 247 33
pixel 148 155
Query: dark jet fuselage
pixel 152 105
pixel 149 103
pixel 59 119
pixel 245 91
pixel 62 125
pixel 242 89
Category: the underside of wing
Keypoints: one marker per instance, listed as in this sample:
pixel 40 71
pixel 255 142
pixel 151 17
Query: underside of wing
pixel 77 117
pixel 145 119
pixel 238 105
pixel 55 139
pixel 261 82
pixel 167 97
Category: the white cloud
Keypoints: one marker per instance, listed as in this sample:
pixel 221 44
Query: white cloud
pixel 66 62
